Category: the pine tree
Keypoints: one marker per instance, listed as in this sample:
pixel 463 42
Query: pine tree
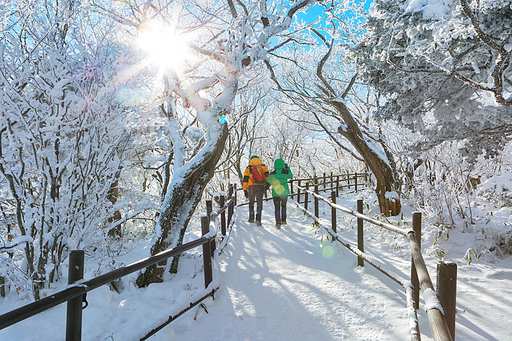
pixel 438 63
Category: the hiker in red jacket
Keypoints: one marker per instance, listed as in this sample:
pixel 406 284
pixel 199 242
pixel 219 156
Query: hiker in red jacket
pixel 255 176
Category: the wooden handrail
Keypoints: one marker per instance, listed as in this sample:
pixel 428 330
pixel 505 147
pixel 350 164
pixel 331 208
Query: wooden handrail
pixel 356 214
pixel 437 321
pixel 81 288
pixel 330 176
pixel 34 308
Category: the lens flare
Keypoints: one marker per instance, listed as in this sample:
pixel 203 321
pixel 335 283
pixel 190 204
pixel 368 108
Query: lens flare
pixel 328 251
pixel 279 189
pixel 223 119
pixel 128 97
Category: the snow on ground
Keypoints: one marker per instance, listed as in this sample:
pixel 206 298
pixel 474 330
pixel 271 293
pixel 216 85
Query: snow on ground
pixel 281 285
pixel 289 284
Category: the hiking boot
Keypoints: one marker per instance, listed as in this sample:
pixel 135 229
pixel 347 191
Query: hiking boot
pixel 251 218
pixel 258 219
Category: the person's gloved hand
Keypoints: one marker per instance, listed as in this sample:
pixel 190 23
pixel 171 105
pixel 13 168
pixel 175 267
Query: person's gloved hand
pixel 265 193
pixel 246 194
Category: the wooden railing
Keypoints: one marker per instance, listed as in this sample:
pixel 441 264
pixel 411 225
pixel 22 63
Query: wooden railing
pixel 75 295
pixel 441 325
pixel 330 182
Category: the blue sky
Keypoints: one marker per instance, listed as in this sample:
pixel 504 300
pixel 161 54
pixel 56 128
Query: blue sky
pixel 315 11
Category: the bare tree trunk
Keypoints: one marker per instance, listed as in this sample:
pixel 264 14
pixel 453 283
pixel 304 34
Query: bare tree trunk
pixel 113 194
pixel 183 196
pixel 383 170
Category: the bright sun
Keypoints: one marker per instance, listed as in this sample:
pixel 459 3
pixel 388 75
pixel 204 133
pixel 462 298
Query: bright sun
pixel 165 47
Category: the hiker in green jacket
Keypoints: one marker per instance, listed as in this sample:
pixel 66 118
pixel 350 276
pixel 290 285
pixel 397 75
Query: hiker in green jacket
pixel 278 179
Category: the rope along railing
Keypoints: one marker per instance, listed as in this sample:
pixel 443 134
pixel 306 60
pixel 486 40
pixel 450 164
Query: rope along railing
pixel 75 295
pixel 441 325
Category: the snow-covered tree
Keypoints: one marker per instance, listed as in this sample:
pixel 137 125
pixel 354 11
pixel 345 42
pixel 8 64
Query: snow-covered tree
pixel 63 137
pixel 444 69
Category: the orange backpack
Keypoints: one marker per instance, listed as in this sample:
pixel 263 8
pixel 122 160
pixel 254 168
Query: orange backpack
pixel 258 174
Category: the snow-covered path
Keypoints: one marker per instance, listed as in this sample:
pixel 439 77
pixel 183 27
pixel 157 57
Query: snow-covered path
pixel 286 285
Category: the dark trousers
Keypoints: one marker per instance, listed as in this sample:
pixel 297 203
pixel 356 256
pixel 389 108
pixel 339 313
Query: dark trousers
pixel 256 195
pixel 280 208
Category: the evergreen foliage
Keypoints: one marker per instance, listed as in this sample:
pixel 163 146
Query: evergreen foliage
pixel 437 62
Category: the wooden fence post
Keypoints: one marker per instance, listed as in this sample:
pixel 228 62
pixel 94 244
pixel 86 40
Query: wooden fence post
pixel 416 226
pixel 222 201
pixel 325 180
pixel 2 286
pixel 209 210
pixel 355 181
pixel 316 199
pixel 306 197
pixel 74 306
pixel 337 185
pixel 298 192
pixel 446 290
pixel 348 180
pixel 360 240
pixel 230 207
pixel 333 211
pixel 291 188
pixel 207 253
